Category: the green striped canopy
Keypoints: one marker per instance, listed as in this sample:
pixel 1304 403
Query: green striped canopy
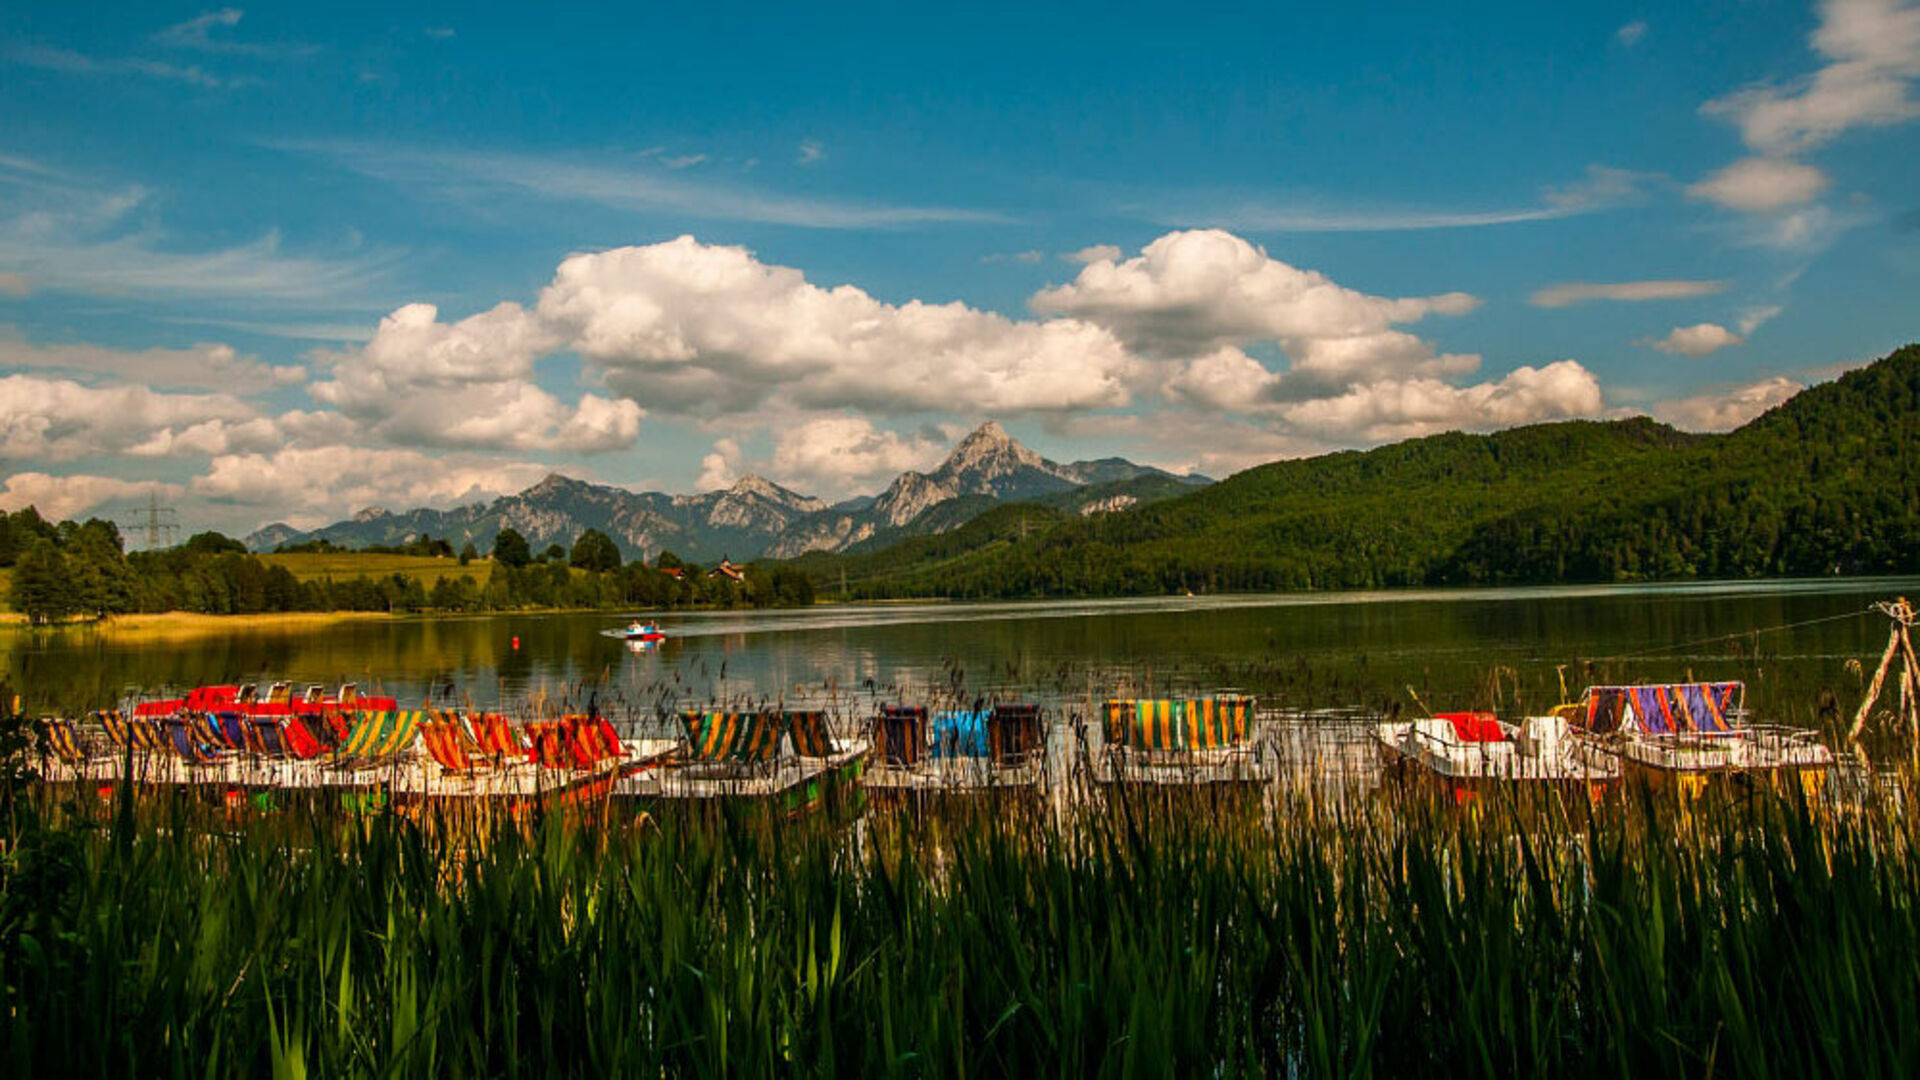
pixel 1177 723
pixel 732 736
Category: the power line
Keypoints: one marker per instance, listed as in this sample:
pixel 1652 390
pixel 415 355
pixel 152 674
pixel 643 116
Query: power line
pixel 1738 634
pixel 156 521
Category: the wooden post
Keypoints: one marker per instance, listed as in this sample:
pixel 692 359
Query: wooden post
pixel 1900 645
pixel 1873 689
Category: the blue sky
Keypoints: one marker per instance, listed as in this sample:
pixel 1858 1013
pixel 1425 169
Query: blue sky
pixel 1202 236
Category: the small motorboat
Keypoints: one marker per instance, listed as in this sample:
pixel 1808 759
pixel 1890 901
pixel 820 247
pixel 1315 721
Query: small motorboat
pixel 643 631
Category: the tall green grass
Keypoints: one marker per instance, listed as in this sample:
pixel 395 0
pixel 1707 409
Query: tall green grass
pixel 1733 935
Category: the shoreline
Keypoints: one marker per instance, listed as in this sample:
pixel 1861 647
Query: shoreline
pixel 189 622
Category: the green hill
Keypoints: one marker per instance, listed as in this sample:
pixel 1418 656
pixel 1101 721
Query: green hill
pixel 1827 482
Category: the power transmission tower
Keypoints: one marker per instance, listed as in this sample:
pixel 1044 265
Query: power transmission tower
pixel 157 522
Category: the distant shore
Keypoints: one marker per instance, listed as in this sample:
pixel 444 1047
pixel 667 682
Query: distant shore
pixel 187 622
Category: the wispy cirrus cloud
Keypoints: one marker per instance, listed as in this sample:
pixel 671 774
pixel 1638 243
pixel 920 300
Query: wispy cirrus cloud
pixel 71 62
pixel 636 188
pixel 198 33
pixel 1601 188
pixel 139 264
pixel 195 35
pixel 297 331
pixel 1569 293
pixel 205 366
pixel 65 233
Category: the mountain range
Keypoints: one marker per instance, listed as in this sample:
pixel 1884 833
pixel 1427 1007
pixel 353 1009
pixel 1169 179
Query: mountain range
pixel 758 518
pixel 1825 483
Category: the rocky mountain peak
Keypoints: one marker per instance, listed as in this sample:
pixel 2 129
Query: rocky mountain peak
pixel 552 483
pixel 910 495
pixel 755 484
pixel 989 452
pixel 370 513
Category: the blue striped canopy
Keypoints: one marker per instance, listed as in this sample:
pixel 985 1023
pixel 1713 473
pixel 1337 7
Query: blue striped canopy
pixel 1665 708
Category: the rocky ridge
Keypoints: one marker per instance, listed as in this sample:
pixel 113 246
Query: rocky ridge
pixel 753 518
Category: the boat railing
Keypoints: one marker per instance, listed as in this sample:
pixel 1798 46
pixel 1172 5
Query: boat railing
pixel 1742 746
pixel 1455 744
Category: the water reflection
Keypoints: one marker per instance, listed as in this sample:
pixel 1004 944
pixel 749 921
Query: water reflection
pixel 1465 648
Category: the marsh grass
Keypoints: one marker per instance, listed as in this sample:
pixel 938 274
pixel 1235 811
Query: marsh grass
pixel 1738 933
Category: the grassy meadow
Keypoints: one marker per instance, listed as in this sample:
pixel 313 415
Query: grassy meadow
pixel 342 566
pixel 1732 935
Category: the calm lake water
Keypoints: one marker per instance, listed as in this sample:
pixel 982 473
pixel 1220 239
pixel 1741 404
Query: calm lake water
pixel 1789 640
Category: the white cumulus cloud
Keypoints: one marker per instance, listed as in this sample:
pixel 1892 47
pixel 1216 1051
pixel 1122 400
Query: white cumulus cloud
pixel 1225 379
pixel 1872 53
pixel 325 483
pixel 1726 409
pixel 839 453
pixel 1193 292
pixel 1762 183
pixel 60 497
pixel 47 419
pixel 721 467
pixel 1699 339
pixel 710 329
pixel 421 381
pixel 1402 409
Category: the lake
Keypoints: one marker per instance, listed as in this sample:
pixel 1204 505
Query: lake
pixel 1789 640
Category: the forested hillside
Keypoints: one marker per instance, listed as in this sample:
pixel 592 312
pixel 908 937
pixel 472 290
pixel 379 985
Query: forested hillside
pixel 1826 483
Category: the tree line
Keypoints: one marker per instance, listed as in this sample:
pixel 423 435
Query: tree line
pixel 75 569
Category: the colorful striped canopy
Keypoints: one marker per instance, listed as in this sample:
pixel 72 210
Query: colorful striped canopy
pixel 808 728
pixel 115 725
pixel 1664 708
pixel 145 735
pixel 229 725
pixel 448 743
pixel 730 736
pixel 61 740
pixel 182 741
pixel 496 735
pixel 265 736
pixel 901 735
pixel 1178 724
pixel 406 724
pixel 382 733
pixel 369 728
